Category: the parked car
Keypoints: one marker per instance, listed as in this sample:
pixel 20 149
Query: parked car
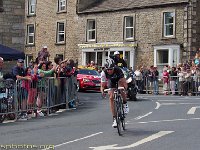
pixel 88 80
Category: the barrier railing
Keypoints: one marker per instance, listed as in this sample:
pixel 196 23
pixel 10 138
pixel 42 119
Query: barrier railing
pixel 46 95
pixel 175 85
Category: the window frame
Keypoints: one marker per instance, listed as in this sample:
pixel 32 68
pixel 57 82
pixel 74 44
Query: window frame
pixel 125 28
pixel 164 24
pixel 58 34
pixel 28 34
pixel 90 30
pixel 30 13
pixel 60 6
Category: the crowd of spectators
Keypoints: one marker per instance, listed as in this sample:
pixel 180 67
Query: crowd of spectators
pixel 31 85
pixel 183 79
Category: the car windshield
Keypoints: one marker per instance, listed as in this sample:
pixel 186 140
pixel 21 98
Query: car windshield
pixel 88 72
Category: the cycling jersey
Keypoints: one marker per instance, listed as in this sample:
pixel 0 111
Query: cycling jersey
pixel 115 77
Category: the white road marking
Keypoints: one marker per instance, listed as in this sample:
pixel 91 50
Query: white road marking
pixel 192 110
pixel 140 117
pixel 145 140
pixel 86 137
pixel 171 100
pixel 159 121
pixel 158 105
pixel 166 104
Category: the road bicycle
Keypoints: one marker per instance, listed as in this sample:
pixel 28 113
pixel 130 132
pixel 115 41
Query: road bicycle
pixel 119 109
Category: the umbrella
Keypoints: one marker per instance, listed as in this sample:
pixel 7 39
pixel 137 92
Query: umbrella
pixel 10 54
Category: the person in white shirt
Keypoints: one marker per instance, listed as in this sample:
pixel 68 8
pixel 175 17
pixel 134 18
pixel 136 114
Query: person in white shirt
pixel 138 77
pixel 103 82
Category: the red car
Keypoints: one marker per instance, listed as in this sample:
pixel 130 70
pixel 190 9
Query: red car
pixel 88 80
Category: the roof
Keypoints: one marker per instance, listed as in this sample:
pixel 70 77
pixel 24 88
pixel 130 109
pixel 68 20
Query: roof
pixel 10 54
pixel 116 5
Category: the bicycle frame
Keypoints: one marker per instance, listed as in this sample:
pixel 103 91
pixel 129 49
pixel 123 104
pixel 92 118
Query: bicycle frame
pixel 118 109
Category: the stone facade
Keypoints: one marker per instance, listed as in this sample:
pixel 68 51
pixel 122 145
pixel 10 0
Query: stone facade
pixel 45 22
pixel 148 29
pixel 12 23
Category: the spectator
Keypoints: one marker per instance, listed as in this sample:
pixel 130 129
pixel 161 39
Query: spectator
pixel 155 81
pixel 138 77
pixel 150 78
pixel 43 55
pixel 19 74
pixel 165 81
pixel 103 82
pixel 181 80
pixel 1 67
pixel 187 83
pixel 173 77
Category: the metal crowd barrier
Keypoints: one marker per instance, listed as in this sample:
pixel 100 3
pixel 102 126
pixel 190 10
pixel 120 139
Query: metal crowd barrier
pixel 176 85
pixel 45 94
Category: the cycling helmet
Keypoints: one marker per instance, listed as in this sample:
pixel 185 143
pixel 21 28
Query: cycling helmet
pixel 116 53
pixel 109 64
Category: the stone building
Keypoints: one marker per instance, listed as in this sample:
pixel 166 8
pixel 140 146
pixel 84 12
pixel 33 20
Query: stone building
pixel 145 32
pixel 12 31
pixel 52 24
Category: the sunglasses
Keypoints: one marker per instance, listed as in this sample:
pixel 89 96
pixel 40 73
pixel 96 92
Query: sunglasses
pixel 109 69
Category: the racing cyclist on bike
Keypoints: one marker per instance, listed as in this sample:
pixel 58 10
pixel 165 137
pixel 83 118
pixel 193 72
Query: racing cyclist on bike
pixel 115 75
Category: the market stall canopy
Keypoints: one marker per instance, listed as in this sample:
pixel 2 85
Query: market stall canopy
pixel 10 54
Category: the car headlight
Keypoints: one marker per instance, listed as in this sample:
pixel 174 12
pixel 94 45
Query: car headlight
pixel 86 80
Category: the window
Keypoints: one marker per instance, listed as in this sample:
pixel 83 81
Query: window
pixel 61 5
pixel 31 7
pixel 30 34
pixel 60 56
pixel 29 59
pixel 169 26
pixel 91 30
pixel 1 5
pixel 60 32
pixel 128 27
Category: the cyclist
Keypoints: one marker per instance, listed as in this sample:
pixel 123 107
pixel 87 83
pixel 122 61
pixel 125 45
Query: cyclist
pixel 118 61
pixel 115 75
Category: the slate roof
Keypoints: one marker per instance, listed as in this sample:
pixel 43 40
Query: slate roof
pixel 115 5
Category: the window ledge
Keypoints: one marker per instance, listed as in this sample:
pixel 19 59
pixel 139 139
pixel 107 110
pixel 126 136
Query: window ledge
pixel 61 43
pixel 31 15
pixel 30 45
pixel 60 12
pixel 129 40
pixel 166 38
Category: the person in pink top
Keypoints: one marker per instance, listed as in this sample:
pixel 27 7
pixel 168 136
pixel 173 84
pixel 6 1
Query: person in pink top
pixel 165 81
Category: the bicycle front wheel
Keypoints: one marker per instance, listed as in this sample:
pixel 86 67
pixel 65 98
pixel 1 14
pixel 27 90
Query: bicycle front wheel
pixel 118 120
pixel 122 116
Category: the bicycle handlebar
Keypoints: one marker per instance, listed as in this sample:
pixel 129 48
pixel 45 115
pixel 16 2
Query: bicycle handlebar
pixel 119 88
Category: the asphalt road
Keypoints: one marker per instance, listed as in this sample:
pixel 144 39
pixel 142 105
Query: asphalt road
pixel 154 123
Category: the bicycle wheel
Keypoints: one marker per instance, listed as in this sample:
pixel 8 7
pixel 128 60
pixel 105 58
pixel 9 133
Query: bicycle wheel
pixel 122 116
pixel 118 114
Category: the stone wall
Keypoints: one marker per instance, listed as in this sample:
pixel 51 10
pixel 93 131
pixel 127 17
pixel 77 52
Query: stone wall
pixel 12 24
pixel 148 29
pixel 45 21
